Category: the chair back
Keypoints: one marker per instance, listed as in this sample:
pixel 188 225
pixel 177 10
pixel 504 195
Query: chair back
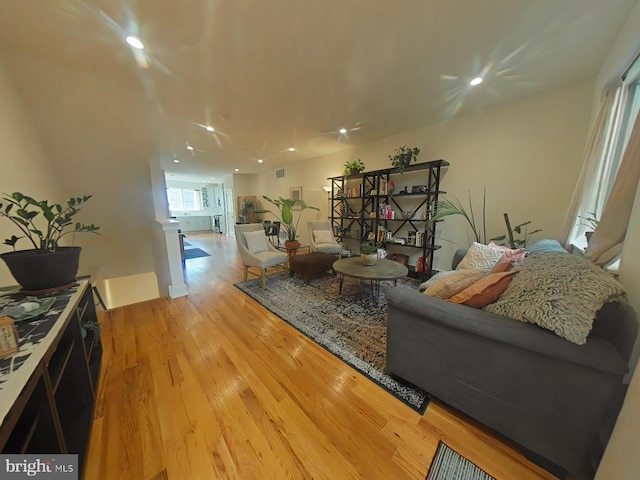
pixel 318 225
pixel 240 229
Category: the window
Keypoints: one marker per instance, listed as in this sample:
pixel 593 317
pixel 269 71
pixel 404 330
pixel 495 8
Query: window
pixel 184 200
pixel 619 123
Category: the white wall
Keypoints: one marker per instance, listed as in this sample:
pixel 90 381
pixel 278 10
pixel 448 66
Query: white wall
pixel 545 133
pixel 24 163
pixel 122 203
pixel 621 461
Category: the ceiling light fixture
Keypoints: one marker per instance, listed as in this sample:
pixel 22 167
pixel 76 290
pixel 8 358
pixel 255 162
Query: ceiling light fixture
pixel 291 149
pixel 343 130
pixel 135 42
pixel 260 160
pixel 237 170
pixel 175 160
pixel 189 147
pixel 210 128
pixel 476 81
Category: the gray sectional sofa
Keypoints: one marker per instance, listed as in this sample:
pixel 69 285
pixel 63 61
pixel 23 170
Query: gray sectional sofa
pixel 549 395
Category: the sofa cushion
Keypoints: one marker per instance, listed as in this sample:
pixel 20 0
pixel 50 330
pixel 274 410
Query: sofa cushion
pixel 449 285
pixel 559 292
pixel 485 291
pixel 480 256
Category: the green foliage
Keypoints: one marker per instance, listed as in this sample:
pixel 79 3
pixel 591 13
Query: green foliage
pixel 55 220
pixel 447 207
pixel 590 221
pixel 368 248
pixel 396 161
pixel 286 217
pixel 246 208
pixel 522 230
pixel 355 166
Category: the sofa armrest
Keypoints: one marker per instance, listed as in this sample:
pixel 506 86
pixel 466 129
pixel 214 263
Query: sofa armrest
pixel 596 353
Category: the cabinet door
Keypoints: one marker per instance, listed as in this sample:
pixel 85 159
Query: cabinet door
pixel 34 431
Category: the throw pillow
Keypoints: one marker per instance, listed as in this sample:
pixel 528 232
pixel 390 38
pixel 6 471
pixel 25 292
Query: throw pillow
pixel 484 291
pixel 559 292
pixel 424 285
pixel 456 282
pixel 516 256
pixel 323 236
pixel 480 256
pixel 256 241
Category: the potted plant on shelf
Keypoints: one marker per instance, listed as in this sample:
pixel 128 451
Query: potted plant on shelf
pixel 47 265
pixel 288 223
pixel 403 157
pixel 368 253
pixel 354 167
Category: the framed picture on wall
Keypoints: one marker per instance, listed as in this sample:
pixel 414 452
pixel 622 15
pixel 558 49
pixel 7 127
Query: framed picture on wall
pixel 295 193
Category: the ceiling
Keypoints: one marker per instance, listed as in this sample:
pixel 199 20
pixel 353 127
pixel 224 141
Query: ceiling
pixel 269 75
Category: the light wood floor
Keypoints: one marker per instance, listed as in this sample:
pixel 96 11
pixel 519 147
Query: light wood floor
pixel 213 386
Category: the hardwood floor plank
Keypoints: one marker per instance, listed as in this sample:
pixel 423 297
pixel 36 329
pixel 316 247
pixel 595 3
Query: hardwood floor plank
pixel 214 386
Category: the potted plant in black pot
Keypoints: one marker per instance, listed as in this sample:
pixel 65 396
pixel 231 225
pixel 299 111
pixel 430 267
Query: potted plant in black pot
pixel 47 266
pixel 403 157
pixel 352 168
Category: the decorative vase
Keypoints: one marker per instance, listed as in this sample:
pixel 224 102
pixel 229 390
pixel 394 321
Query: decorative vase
pixel 368 259
pixel 292 244
pixel 36 271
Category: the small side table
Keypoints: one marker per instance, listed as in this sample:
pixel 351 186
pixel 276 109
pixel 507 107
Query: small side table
pixel 292 251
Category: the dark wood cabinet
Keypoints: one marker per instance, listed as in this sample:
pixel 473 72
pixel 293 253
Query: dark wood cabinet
pixel 46 402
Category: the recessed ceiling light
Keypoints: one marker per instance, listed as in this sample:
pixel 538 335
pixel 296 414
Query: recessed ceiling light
pixel 189 147
pixel 343 130
pixel 260 160
pixel 476 81
pixel 210 128
pixel 135 42
pixel 291 149
pixel 175 160
pixel 237 170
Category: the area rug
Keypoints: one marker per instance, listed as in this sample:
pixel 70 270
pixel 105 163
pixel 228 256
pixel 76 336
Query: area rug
pixel 348 324
pixel 195 253
pixel 448 464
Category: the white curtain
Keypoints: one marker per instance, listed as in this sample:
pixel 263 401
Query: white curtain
pixel 598 169
pixel 607 240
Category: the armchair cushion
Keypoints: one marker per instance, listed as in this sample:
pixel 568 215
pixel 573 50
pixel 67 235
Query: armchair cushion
pixel 323 236
pixel 256 241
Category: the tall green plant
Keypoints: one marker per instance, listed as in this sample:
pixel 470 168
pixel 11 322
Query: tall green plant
pixel 285 215
pixel 447 207
pixel 55 222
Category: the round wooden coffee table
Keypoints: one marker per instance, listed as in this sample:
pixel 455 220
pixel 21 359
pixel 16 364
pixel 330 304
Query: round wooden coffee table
pixel 383 270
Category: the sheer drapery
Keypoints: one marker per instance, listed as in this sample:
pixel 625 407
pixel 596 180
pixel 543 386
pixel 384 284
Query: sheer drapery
pixel 607 240
pixel 598 169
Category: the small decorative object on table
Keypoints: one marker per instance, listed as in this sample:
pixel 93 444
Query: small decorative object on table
pixel 368 253
pixel 8 337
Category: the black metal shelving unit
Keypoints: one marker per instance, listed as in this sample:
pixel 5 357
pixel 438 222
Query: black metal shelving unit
pixel 358 204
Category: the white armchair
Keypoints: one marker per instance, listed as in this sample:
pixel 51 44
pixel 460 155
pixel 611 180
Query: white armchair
pixel 257 252
pixel 321 238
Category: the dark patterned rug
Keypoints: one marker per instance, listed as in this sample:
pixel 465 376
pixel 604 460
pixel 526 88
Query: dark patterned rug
pixel 448 464
pixel 348 324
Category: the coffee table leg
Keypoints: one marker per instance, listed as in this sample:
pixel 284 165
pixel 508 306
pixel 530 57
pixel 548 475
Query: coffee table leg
pixel 341 280
pixel 375 291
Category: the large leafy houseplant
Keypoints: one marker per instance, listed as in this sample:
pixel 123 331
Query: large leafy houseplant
pixel 286 209
pixel 43 225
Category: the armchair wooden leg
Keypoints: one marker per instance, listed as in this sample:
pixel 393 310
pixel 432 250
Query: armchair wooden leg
pixel 246 272
pixel 263 279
